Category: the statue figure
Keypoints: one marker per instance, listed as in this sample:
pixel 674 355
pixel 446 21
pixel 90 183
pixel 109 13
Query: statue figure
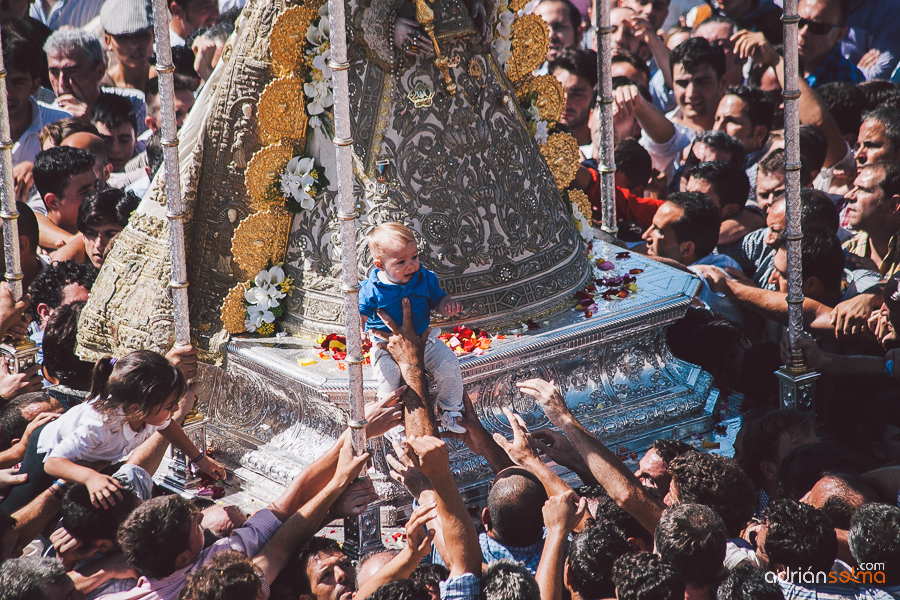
pixel 430 100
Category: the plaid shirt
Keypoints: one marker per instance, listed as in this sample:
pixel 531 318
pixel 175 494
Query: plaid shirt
pixel 835 68
pixel 465 587
pixel 861 246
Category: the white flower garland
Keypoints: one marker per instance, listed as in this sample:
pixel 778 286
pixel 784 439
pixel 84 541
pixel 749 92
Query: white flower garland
pixel 536 125
pixel 262 299
pixel 301 181
pixel 319 88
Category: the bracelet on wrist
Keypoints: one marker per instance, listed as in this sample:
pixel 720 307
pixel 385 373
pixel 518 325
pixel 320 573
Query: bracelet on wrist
pixel 199 457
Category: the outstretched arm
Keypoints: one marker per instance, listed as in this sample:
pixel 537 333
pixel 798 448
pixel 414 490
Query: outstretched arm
pixel 620 483
pixel 523 451
pixel 408 350
pixel 561 514
pixel 429 454
pixel 301 525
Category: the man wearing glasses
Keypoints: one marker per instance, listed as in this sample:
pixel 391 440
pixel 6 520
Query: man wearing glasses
pixel 822 26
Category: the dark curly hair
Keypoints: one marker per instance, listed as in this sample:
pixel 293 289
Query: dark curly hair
pixel 404 589
pixel 508 580
pixel 228 575
pixel 645 576
pixel 60 359
pixel 155 533
pixel 591 557
pixel 746 582
pixel 47 288
pixel 716 482
pixel 799 536
pixel 693 539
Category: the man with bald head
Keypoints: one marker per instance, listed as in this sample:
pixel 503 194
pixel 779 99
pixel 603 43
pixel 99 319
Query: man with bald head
pixel 513 519
pixel 96 146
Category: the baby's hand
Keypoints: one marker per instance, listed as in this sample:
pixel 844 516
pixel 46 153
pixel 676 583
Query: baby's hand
pixel 450 307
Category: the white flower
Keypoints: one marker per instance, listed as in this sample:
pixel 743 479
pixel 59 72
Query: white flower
pixel 300 165
pixel 257 316
pixel 320 62
pixel 533 113
pixel 540 133
pixel 504 23
pixel 320 97
pixel 502 50
pixel 298 183
pixel 270 277
pixel 318 34
pixel 529 8
pixel 315 122
pixel 582 225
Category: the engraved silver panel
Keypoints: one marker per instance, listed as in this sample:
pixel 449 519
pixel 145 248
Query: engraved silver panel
pixel 269 417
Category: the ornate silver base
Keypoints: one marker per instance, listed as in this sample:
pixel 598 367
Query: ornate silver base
pixel 269 417
pixel 797 390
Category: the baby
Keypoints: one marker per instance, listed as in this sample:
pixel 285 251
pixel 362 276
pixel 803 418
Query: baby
pixel 398 275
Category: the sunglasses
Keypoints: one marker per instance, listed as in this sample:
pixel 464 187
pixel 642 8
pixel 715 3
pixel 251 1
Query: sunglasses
pixel 815 27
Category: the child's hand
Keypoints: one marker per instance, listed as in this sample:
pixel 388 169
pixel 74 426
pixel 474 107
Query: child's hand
pixel 449 307
pixel 103 490
pixel 212 468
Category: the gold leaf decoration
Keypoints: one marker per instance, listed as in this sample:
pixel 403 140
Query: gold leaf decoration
pixel 530 38
pixel 517 5
pixel 233 310
pixel 563 157
pixel 287 43
pixel 580 199
pixel 260 240
pixel 266 163
pixel 548 96
pixel 282 112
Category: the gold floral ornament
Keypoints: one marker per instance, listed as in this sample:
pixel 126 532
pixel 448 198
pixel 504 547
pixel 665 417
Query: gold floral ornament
pixel 517 5
pixel 287 43
pixel 530 40
pixel 547 95
pixel 261 239
pixel 258 176
pixel 233 310
pixel 563 157
pixel 282 112
pixel 580 200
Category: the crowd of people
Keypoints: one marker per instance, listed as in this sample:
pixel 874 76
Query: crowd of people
pixel 806 508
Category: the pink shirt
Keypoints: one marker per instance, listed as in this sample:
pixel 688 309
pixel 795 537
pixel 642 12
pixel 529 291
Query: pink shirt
pixel 247 539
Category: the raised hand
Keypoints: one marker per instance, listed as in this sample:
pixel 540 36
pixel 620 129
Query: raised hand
pixel 522 448
pixel 548 397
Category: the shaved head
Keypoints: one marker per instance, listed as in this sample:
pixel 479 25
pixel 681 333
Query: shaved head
pixel 514 504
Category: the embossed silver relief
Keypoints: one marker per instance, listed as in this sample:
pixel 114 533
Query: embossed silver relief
pixel 615 371
pixel 467 176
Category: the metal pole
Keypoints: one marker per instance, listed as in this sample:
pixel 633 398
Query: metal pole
pixel 797 382
pixel 169 140
pixel 607 140
pixel 22 354
pixel 363 533
pixel 9 213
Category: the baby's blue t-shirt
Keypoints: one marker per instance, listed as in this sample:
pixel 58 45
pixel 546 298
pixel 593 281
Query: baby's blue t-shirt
pixel 424 293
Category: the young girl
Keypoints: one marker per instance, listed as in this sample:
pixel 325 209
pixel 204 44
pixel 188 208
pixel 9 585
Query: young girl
pixel 130 399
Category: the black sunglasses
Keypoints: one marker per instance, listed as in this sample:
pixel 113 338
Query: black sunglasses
pixel 815 27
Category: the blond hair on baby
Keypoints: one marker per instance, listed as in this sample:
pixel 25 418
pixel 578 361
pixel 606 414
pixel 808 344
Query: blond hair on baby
pixel 387 235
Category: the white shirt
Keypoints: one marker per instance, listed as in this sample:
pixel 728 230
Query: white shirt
pixel 82 433
pixel 74 13
pixel 27 147
pixel 175 39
